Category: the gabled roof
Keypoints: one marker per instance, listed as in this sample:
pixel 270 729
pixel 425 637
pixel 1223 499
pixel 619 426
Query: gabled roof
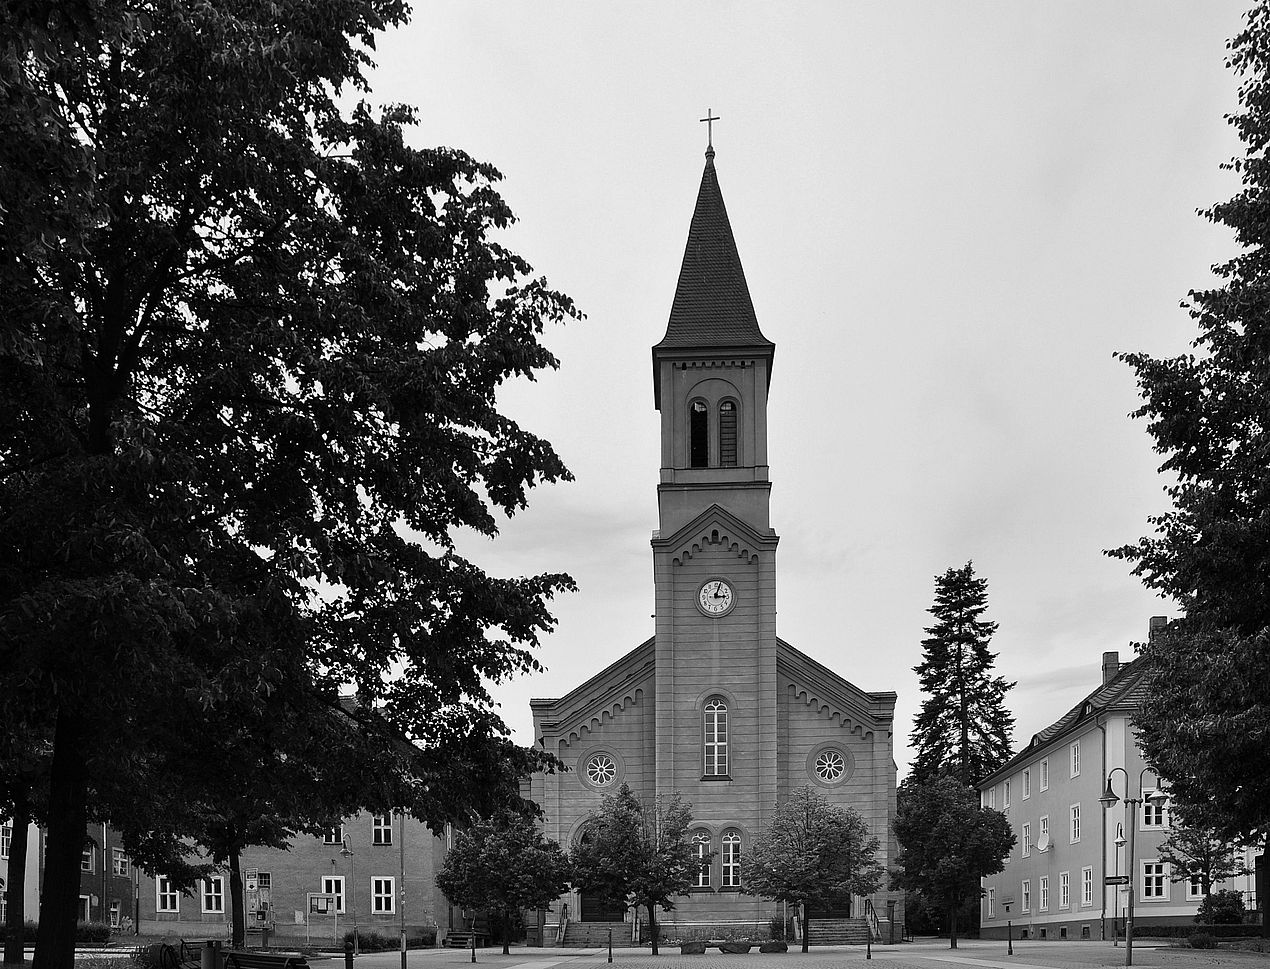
pixel 1123 693
pixel 712 306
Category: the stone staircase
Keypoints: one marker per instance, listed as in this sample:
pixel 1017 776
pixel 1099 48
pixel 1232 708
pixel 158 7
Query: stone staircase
pixel 592 935
pixel 839 931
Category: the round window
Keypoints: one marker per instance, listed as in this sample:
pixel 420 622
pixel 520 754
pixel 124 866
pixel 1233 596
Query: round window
pixel 600 770
pixel 830 765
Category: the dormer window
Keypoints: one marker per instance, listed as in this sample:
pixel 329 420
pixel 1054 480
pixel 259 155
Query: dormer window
pixel 727 434
pixel 698 435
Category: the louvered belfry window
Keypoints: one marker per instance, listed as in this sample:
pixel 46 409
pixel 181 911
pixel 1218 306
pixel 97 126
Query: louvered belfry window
pixel 699 435
pixel 727 434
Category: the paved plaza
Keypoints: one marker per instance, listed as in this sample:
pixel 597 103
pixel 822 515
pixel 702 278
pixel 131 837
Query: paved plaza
pixel 920 955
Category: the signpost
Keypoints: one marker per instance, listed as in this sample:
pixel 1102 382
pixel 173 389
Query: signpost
pixel 1115 880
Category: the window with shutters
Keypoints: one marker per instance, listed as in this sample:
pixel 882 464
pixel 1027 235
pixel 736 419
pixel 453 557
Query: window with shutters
pixel 727 434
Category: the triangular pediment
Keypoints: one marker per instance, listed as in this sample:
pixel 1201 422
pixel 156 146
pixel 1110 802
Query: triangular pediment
pixel 821 688
pixel 713 527
pixel 620 684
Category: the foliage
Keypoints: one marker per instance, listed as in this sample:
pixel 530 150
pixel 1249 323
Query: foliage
pixel 1205 724
pixel 249 359
pixel 503 865
pixel 1202 940
pixel 812 854
pixel 1195 848
pixel 638 853
pixel 963 728
pixel 1225 907
pixel 372 941
pixel 948 843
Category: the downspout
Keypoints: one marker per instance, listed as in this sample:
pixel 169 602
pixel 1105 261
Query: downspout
pixel 1102 918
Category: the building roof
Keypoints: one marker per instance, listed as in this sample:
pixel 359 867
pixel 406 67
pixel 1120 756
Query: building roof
pixel 712 306
pixel 1121 694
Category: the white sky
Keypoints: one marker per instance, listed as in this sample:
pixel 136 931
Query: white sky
pixel 949 214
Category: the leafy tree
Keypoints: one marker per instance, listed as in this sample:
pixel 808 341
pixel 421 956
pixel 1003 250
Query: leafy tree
pixel 1196 849
pixel 503 865
pixel 638 853
pixel 963 727
pixel 1203 722
pixel 812 855
pixel 1221 908
pixel 248 365
pixel 948 843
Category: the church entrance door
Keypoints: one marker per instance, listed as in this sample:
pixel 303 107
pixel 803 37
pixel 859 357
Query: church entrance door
pixel 594 908
pixel 841 910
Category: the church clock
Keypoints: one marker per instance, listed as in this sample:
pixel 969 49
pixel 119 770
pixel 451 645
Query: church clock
pixel 716 598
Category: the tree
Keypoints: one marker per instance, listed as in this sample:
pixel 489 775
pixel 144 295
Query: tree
pixel 1195 849
pixel 812 854
pixel 963 727
pixel 1203 724
pixel 504 865
pixel 948 843
pixel 248 365
pixel 638 853
pixel 1221 908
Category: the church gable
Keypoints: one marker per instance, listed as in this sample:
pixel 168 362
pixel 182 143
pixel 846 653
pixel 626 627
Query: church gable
pixel 715 529
pixel 585 710
pixel 834 699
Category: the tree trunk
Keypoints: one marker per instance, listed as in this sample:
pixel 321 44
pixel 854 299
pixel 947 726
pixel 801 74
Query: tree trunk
pixel 68 819
pixel 806 926
pixel 507 931
pixel 952 923
pixel 237 909
pixel 15 888
pixel 652 925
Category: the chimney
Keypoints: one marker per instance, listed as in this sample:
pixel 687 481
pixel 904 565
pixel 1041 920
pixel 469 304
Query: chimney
pixel 1158 623
pixel 1110 666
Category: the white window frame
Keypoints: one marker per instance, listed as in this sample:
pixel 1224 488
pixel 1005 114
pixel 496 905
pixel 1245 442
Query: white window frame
pixel 1005 797
pixel 1194 888
pixel 1027 783
pixel 1163 880
pixel 119 862
pixel 381 829
pixel 1064 890
pixel 1026 893
pixel 334 885
pixel 1045 827
pixel 1027 841
pixel 1087 885
pixel 114 913
pixel 1075 759
pixel 715 728
pixel 87 861
pixel 383 888
pixel 1045 774
pixel 992 903
pixel 1043 891
pixel 992 797
pixel 1160 819
pixel 1073 815
pixel 730 859
pixel 86 908
pixel 334 835
pixel 166 898
pixel 6 840
pixel 701 848
pixel 212 895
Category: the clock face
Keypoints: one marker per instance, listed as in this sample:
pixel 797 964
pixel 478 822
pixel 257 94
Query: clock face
pixel 716 597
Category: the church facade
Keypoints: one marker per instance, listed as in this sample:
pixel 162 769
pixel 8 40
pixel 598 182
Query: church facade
pixel 715 706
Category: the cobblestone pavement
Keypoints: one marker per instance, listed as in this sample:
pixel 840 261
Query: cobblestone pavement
pixel 920 955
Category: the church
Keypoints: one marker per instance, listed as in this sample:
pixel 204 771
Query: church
pixel 716 706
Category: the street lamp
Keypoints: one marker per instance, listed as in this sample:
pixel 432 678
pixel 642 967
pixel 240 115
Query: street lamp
pixel 347 852
pixel 1109 799
pixel 1115 922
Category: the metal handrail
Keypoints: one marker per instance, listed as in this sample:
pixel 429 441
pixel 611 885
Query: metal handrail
pixel 875 929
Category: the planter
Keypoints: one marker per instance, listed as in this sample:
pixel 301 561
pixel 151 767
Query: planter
pixel 735 948
pixel 774 945
pixel 693 948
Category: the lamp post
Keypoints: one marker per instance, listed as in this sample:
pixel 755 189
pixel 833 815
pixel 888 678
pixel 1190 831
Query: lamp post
pixel 1115 922
pixel 347 852
pixel 1108 800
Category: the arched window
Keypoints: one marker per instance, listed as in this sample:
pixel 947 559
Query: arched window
pixel 716 738
pixel 731 859
pixel 727 434
pixel 698 435
pixel 701 846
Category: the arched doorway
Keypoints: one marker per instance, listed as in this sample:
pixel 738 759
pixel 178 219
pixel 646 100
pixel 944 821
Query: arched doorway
pixel 593 907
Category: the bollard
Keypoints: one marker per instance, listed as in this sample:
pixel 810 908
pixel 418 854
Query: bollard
pixel 1009 936
pixel 208 957
pixel 473 939
pixel 610 943
pixel 868 945
pixel 348 955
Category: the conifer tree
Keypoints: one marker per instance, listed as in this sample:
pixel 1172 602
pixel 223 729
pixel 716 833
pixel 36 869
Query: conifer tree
pixel 963 729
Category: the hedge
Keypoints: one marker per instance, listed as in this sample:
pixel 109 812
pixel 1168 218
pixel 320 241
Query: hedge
pixel 1245 931
pixel 92 932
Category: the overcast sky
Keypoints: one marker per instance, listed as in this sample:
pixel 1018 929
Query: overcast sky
pixel 950 216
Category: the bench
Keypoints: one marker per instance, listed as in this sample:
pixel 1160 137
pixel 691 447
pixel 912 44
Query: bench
pixel 264 960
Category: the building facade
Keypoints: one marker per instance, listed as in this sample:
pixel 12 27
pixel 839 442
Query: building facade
pixel 715 706
pixel 375 872
pixel 29 878
pixel 1054 885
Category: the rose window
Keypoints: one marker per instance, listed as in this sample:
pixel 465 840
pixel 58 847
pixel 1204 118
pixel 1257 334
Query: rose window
pixel 830 765
pixel 601 770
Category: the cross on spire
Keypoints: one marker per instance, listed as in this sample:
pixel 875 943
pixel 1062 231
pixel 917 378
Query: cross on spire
pixel 710 119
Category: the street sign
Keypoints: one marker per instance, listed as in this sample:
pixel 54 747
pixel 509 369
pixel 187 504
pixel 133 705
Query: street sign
pixel 1116 880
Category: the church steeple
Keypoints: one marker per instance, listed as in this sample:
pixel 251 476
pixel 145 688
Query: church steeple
pixel 711 373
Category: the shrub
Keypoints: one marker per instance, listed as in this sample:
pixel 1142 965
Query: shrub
pixel 92 932
pixel 1202 940
pixel 1221 908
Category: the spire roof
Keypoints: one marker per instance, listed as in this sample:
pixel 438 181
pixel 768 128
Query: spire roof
pixel 712 306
